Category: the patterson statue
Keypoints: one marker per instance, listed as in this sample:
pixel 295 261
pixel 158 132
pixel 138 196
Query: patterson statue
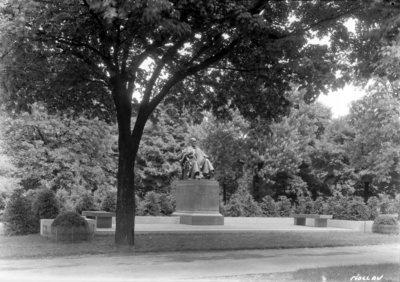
pixel 195 163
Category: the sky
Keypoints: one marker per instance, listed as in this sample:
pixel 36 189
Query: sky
pixel 339 101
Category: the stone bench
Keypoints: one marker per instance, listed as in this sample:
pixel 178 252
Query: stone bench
pixel 321 220
pixel 103 219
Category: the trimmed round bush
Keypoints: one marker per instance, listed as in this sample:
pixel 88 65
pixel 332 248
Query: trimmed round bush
pixel 109 203
pixel 18 218
pixel 385 224
pixel 70 227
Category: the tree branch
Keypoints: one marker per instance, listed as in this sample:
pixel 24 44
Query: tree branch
pixel 168 56
pixel 180 75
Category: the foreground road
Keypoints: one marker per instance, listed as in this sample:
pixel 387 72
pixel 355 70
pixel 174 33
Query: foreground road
pixel 192 266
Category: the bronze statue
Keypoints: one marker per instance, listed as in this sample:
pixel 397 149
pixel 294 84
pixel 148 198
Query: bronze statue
pixel 195 163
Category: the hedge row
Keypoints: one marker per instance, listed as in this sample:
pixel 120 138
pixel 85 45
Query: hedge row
pixel 344 208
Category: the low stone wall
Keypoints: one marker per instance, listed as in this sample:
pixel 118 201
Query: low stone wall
pixel 258 220
pixel 156 220
pixel 45 226
pixel 363 226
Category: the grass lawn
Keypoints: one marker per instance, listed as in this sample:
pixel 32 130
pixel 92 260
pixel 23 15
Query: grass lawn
pixel 387 272
pixel 35 246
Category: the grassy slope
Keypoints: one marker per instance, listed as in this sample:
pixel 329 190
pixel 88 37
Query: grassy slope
pixel 40 247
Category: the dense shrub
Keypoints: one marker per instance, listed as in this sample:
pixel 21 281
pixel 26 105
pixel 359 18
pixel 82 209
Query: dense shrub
pixel 386 225
pixel 139 206
pixel 251 207
pixel 2 202
pixel 222 208
pixel 318 207
pixel 18 218
pixel 64 200
pixel 347 208
pixel 85 203
pixel 389 205
pixel 70 227
pixel 109 203
pixel 167 204
pixel 151 206
pixel 304 205
pixel 242 204
pixel 268 207
pixel 235 207
pixel 284 206
pixel 357 210
pixel 45 205
pixel 373 208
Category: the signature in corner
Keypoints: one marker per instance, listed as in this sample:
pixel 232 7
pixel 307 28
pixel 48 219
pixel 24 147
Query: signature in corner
pixel 366 278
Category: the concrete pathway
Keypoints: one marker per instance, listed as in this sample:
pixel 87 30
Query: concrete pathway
pixel 187 266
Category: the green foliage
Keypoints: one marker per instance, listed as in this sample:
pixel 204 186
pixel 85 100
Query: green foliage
pixel 373 207
pixel 358 209
pixel 70 227
pixel 235 207
pixel 385 224
pixel 374 150
pixel 109 203
pixel 69 219
pixel 45 205
pixel 85 203
pixel 63 198
pixel 304 205
pixel 389 205
pixel 318 207
pixel 151 206
pixel 347 208
pixel 268 207
pixel 167 204
pixel 18 218
pixel 385 220
pixel 157 163
pixel 61 151
pixel 242 203
pixel 284 206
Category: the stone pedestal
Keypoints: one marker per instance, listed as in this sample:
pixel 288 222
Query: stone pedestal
pixel 197 202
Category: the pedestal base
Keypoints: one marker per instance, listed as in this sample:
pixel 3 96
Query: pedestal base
pixel 197 202
pixel 199 218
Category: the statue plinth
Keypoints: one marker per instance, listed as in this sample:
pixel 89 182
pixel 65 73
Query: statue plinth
pixel 197 202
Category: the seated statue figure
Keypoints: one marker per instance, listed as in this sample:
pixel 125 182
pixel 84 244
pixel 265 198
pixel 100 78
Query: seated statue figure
pixel 195 163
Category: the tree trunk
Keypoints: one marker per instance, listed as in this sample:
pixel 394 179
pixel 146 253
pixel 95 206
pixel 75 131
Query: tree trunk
pixel 125 215
pixel 128 146
pixel 366 191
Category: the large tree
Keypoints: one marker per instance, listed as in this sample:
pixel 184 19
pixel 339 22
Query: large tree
pixel 212 54
pixel 374 151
